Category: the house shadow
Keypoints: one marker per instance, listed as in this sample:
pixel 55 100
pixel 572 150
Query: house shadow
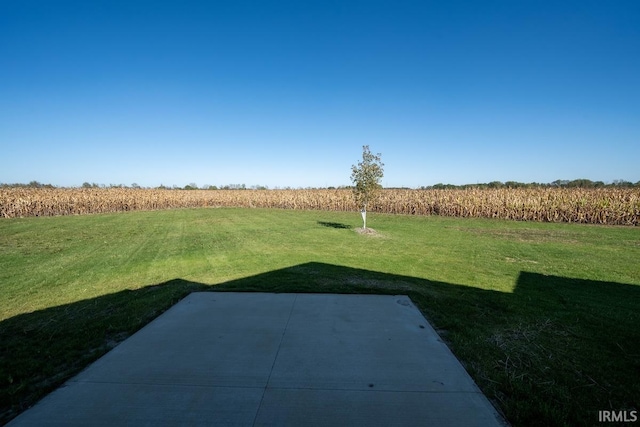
pixel 588 322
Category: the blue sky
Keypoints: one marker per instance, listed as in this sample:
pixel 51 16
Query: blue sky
pixel 284 94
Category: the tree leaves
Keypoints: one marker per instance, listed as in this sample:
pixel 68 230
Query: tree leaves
pixel 366 176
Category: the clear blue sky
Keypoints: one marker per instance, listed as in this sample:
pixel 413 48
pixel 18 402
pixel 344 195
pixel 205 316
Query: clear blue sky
pixel 285 93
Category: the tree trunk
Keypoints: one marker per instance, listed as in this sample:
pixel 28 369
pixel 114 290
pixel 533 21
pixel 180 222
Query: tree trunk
pixel 364 217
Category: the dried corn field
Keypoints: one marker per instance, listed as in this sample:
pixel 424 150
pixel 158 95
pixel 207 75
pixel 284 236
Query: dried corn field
pixel 616 206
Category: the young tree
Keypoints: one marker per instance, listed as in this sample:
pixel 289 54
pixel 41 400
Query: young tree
pixel 366 176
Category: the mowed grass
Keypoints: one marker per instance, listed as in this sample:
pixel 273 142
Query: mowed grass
pixel 544 316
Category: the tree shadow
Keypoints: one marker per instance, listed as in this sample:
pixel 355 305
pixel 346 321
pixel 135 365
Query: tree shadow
pixel 333 224
pixel 572 344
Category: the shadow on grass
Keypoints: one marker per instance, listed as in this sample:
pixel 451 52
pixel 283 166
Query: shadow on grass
pixel 333 225
pixel 553 352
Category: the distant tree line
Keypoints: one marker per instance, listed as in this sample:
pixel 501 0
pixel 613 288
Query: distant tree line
pixel 32 184
pixel 559 183
pixel 190 186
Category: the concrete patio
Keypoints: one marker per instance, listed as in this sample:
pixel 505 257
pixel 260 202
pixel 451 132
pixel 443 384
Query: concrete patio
pixel 261 359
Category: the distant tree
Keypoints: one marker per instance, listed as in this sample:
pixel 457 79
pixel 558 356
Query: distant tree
pixel 622 183
pixel 441 186
pixel 513 184
pixel 580 183
pixel 234 187
pixel 191 186
pixel 366 176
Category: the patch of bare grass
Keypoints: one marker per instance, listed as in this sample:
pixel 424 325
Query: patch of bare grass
pixel 368 232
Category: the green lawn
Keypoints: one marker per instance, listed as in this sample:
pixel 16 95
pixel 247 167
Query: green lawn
pixel 544 316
